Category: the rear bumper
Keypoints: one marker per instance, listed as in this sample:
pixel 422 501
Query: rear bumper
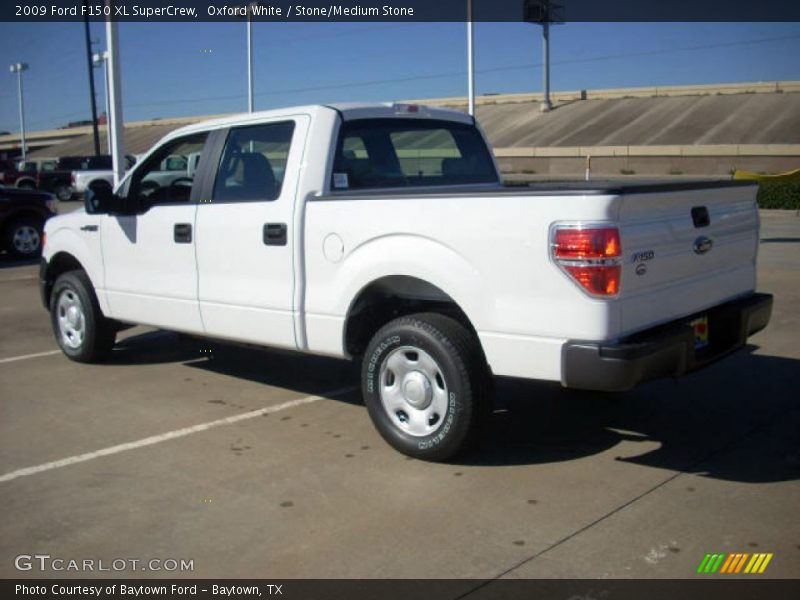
pixel 664 351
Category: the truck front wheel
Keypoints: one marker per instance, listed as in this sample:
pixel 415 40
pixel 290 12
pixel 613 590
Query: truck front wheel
pixel 426 386
pixel 81 330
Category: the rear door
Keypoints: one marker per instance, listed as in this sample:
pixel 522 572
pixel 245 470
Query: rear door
pixel 245 242
pixel 685 250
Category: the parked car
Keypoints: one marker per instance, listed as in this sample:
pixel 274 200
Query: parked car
pixel 383 233
pixel 60 181
pixel 22 217
pixel 30 168
pixel 11 175
pixel 96 174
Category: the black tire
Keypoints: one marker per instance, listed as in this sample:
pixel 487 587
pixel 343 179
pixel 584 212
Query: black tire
pixel 63 193
pixel 23 237
pixel 26 184
pixel 460 375
pixel 98 333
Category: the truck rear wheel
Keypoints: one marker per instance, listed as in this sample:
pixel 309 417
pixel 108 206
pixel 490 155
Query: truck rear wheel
pixel 81 330
pixel 63 193
pixel 426 386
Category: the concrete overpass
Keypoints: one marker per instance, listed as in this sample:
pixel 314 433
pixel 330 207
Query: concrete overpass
pixel 665 130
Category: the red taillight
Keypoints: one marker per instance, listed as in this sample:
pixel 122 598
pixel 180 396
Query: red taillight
pixel 600 281
pixel 577 244
pixel 591 256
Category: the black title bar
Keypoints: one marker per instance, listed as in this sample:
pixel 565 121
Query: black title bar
pixel 699 588
pixel 401 10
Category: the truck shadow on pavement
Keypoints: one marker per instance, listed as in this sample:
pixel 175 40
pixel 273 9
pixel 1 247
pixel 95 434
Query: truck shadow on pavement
pixel 737 420
pixel 289 370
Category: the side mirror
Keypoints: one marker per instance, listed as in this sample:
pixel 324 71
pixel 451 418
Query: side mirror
pixel 99 199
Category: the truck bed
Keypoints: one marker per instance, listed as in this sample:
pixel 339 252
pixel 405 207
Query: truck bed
pixel 610 187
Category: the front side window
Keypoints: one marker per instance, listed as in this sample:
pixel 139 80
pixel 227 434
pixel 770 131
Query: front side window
pixel 157 182
pixel 253 163
pixel 391 153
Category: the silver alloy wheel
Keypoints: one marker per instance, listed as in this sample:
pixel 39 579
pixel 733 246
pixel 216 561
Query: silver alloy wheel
pixel 413 391
pixel 26 239
pixel 71 320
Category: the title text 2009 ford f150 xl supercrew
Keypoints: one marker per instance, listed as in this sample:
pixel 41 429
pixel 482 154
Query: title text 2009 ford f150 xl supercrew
pixel 383 232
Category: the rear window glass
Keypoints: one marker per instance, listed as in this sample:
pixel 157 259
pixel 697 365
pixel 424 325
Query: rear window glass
pixel 392 153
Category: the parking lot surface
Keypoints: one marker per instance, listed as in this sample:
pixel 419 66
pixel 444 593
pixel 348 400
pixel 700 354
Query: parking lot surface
pixel 254 463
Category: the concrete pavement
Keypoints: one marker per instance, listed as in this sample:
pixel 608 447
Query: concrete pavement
pixel 568 484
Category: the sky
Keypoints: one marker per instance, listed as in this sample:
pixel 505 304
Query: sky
pixel 183 69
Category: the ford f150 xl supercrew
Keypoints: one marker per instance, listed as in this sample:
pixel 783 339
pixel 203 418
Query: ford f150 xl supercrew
pixel 383 233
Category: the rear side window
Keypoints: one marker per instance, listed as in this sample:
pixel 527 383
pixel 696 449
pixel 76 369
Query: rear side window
pixel 253 163
pixel 392 153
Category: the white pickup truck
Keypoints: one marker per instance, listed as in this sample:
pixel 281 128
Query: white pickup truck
pixel 383 233
pixel 91 175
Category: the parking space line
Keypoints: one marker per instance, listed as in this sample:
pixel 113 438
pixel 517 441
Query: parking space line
pixel 171 435
pixel 27 356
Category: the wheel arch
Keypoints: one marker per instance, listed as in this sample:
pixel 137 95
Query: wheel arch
pixel 392 296
pixel 58 264
pixel 25 179
pixel 99 181
pixel 24 213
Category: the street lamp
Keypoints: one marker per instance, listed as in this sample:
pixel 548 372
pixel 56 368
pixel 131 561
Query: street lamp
pixel 470 61
pixel 100 59
pixel 543 12
pixel 250 9
pixel 18 68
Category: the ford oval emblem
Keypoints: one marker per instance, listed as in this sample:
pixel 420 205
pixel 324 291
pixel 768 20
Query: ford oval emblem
pixel 703 244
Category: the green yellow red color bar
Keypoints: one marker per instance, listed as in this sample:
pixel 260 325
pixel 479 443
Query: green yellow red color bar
pixel 735 563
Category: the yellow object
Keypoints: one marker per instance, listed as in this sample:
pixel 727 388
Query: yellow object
pixel 788 176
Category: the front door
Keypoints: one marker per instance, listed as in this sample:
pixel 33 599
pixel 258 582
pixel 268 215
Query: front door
pixel 149 252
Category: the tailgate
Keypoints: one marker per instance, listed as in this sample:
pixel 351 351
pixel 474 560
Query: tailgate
pixel 685 250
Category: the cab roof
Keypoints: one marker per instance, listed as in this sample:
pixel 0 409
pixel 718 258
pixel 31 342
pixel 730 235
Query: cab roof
pixel 347 111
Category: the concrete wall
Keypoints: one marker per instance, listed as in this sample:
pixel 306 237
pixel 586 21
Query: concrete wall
pixel 649 165
pixel 714 159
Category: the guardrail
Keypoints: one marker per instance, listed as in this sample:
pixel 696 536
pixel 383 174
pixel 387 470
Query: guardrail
pixel 629 151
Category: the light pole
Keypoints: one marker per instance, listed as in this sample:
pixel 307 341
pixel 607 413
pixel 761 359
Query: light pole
pixel 100 59
pixel 546 104
pixel 543 12
pixel 470 60
pixel 250 9
pixel 249 63
pixel 115 121
pixel 91 76
pixel 18 68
